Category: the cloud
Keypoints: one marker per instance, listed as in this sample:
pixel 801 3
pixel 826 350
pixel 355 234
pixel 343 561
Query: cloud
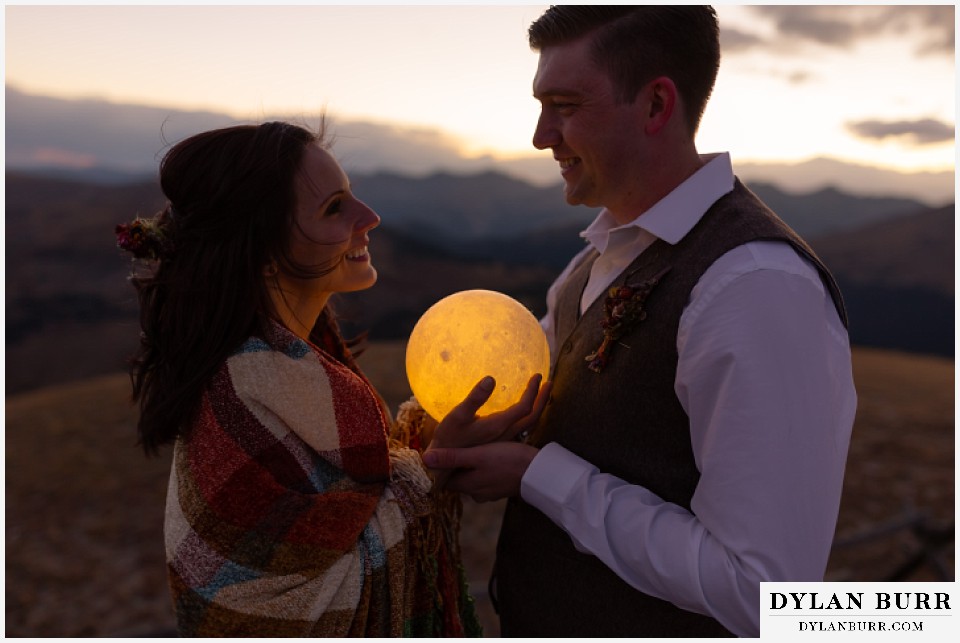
pixel 48 131
pixel 734 40
pixel 368 146
pixel 843 26
pixel 810 23
pixel 58 156
pixel 924 131
pixel 42 131
pixel 932 188
pixel 799 77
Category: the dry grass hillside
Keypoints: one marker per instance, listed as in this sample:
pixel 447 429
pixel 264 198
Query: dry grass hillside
pixel 84 508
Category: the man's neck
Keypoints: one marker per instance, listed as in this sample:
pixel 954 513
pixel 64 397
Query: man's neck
pixel 661 177
pixel 659 181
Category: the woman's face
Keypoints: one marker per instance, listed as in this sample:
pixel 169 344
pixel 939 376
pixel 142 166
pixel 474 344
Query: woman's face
pixel 329 235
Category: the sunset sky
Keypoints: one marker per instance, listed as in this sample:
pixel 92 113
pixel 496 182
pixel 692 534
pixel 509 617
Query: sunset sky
pixel 869 84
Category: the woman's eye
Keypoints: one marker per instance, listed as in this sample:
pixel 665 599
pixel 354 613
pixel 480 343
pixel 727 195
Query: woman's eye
pixel 333 208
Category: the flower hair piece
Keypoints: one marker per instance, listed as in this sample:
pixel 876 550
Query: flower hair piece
pixel 144 238
pixel 622 309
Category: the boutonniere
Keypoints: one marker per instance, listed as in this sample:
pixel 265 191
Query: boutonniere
pixel 622 310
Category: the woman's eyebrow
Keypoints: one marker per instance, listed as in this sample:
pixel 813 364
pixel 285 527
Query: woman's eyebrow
pixel 333 195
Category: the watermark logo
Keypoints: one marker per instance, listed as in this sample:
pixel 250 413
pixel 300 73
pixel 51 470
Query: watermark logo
pixel 864 611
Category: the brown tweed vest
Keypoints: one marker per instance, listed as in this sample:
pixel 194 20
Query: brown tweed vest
pixel 627 421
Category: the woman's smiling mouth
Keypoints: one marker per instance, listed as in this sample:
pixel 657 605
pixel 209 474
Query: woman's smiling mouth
pixel 357 254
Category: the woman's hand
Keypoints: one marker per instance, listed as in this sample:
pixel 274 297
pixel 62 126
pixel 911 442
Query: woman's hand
pixel 485 473
pixel 462 428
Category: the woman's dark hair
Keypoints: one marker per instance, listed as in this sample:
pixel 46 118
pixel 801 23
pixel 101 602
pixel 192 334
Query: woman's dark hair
pixel 231 207
pixel 636 44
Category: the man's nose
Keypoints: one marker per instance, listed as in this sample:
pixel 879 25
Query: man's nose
pixel 546 134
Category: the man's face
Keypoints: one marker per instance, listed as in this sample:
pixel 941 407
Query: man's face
pixel 597 141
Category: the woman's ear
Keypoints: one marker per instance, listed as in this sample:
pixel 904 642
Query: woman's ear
pixel 662 101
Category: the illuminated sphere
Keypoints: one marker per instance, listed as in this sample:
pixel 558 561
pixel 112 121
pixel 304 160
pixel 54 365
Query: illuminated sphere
pixel 466 336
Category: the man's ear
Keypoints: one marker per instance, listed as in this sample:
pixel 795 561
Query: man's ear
pixel 662 101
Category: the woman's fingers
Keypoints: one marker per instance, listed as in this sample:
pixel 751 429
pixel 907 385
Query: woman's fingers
pixel 486 472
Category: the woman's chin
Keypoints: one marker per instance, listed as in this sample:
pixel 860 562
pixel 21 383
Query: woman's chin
pixel 363 283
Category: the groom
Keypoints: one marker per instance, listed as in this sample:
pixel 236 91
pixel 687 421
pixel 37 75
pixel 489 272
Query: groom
pixel 702 401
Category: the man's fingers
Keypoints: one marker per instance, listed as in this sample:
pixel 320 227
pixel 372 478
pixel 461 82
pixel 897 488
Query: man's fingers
pixel 543 396
pixel 477 397
pixel 530 407
pixel 524 406
pixel 530 393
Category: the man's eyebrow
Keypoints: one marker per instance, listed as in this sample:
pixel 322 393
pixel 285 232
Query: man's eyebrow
pixel 557 91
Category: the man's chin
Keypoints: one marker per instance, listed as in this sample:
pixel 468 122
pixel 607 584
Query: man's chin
pixel 572 197
pixel 570 194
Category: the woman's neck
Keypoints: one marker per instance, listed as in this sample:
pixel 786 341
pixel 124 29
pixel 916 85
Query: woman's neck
pixel 299 314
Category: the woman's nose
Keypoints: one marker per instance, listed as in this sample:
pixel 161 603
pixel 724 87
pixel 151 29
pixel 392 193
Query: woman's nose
pixel 368 219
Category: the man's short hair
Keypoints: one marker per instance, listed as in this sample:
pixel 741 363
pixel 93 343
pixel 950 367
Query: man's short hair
pixel 636 44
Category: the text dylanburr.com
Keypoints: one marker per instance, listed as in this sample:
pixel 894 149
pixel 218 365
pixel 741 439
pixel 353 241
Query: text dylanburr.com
pixel 864 611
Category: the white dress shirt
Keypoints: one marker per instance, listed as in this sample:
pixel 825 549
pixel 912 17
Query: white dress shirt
pixel 764 375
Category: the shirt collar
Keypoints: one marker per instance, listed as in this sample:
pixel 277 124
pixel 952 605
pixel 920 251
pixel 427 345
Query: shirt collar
pixel 674 215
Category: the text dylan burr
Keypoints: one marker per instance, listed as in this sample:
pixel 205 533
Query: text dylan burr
pixel 857 600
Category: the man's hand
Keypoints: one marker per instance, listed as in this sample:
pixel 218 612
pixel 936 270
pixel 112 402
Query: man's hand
pixel 462 428
pixel 487 472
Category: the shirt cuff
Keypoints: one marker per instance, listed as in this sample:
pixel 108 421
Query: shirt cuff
pixel 552 477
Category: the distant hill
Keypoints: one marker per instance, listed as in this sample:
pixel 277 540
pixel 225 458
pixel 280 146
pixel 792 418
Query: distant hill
pixel 817 214
pixel 829 210
pixel 904 252
pixel 897 277
pixel 70 312
pixel 459 208
pixel 492 206
pixel 62 264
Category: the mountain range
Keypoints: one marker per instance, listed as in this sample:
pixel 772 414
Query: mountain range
pixel 116 141
pixel 71 313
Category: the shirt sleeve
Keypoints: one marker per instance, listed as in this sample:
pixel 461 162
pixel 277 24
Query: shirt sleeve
pixel 764 374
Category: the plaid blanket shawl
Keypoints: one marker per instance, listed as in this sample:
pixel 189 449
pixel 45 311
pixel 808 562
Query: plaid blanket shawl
pixel 291 511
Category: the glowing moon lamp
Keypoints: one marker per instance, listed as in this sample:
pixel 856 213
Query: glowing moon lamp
pixel 466 336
